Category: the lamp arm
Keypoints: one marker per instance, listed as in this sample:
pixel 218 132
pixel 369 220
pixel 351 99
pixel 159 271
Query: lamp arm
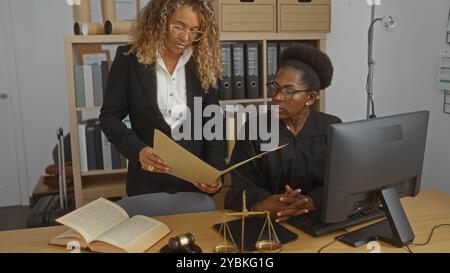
pixel 370 34
pixel 371 65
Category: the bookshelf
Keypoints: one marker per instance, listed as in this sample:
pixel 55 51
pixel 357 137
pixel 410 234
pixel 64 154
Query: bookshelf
pixel 89 185
pixel 318 40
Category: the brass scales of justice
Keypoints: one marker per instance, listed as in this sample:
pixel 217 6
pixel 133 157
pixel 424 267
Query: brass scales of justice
pixel 267 240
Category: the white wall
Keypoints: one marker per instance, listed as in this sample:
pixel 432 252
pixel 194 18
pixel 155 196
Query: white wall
pixel 405 74
pixel 39 28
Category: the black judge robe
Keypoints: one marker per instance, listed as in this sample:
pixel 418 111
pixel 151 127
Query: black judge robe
pixel 300 165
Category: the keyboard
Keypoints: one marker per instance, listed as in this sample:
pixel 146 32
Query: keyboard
pixel 311 223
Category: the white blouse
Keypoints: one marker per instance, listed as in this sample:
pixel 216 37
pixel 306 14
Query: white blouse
pixel 171 89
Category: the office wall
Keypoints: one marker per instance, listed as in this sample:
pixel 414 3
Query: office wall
pixel 405 77
pixel 405 74
pixel 39 28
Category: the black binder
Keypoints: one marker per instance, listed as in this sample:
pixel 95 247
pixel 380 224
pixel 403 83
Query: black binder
pixel 272 63
pixel 94 146
pixel 238 71
pixel 252 70
pixel 281 47
pixel 90 148
pixel 105 73
pixel 226 83
pixel 98 146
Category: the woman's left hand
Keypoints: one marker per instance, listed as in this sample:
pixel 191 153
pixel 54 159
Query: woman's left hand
pixel 211 189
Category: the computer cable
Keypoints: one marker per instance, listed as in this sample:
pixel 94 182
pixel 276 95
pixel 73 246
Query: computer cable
pixel 429 237
pixel 327 245
pixel 335 240
pixel 409 249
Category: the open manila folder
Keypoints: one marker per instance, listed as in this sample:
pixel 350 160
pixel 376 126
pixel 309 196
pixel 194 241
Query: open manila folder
pixel 187 166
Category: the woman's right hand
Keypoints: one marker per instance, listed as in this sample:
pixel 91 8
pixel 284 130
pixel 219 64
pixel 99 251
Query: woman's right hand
pixel 151 162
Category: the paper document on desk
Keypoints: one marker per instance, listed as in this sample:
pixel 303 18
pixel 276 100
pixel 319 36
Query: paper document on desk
pixel 187 166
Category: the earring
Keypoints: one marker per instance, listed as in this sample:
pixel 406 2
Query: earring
pixel 307 104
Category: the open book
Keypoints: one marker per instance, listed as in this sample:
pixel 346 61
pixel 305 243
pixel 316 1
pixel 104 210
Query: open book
pixel 103 226
pixel 187 166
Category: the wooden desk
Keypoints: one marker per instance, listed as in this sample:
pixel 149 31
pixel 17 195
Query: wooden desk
pixel 425 211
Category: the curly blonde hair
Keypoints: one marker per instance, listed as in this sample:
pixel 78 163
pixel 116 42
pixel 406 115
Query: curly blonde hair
pixel 150 30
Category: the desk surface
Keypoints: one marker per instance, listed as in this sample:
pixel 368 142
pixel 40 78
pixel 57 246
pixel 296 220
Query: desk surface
pixel 428 209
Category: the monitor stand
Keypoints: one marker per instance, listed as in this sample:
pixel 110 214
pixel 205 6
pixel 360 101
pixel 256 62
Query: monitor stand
pixel 394 230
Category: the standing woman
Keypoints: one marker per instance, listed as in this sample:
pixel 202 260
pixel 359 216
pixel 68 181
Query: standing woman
pixel 173 59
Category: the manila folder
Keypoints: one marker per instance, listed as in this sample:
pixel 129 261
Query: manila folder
pixel 184 165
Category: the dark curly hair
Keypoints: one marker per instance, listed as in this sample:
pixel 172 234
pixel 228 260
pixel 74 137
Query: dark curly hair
pixel 150 30
pixel 314 64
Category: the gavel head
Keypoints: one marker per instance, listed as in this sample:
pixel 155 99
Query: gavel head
pixel 181 242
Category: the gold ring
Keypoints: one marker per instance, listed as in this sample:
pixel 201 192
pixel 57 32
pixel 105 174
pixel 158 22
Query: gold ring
pixel 150 168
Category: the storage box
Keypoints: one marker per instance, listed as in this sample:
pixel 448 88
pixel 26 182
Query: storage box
pixel 304 15
pixel 246 15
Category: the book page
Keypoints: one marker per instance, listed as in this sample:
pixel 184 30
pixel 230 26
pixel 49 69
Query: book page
pixel 94 218
pixel 70 233
pixel 67 237
pixel 137 234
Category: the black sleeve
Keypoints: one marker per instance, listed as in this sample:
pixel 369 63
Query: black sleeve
pixel 316 193
pixel 115 109
pixel 215 150
pixel 249 177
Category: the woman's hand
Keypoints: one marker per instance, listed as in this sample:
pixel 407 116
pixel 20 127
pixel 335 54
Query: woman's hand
pixel 211 189
pixel 151 162
pixel 297 204
pixel 272 204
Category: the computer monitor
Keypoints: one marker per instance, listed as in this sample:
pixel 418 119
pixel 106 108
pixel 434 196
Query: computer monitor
pixel 371 164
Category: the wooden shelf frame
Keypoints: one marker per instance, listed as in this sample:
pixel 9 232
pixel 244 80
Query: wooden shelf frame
pixel 114 185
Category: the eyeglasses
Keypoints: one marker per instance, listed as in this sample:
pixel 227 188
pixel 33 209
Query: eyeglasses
pixel 286 92
pixel 179 31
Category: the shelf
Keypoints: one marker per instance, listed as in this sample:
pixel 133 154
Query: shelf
pixel 261 100
pixel 97 39
pixel 222 102
pixel 261 36
pixel 227 36
pixel 103 172
pixel 90 109
pixel 106 187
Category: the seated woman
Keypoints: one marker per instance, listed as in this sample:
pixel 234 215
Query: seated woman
pixel 288 182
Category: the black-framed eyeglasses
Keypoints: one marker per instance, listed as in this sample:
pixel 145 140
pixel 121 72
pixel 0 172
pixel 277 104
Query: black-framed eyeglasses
pixel 286 92
pixel 180 31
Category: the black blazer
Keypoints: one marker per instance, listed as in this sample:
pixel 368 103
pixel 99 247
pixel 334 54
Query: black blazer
pixel 131 90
